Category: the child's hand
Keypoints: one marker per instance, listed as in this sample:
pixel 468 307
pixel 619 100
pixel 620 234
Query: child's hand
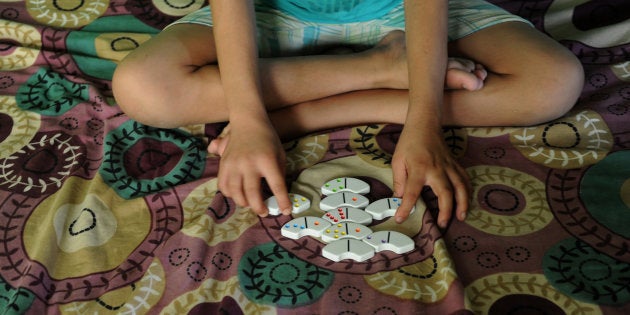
pixel 422 158
pixel 254 152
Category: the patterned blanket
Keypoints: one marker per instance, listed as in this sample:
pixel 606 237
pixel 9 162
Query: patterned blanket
pixel 101 214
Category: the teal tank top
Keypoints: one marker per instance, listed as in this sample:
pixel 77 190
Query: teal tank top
pixel 335 11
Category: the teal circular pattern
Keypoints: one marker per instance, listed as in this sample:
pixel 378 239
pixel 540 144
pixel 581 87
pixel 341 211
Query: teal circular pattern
pixel 579 271
pixel 140 160
pixel 49 93
pixel 268 274
pixel 603 188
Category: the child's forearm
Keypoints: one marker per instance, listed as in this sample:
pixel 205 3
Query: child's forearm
pixel 426 31
pixel 237 55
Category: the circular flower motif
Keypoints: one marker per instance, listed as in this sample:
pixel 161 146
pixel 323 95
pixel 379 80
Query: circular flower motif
pixel 160 13
pixel 41 166
pixel 581 272
pixel 17 127
pixel 24 54
pixel 574 141
pixel 140 160
pixel 109 47
pixel 49 93
pixel 86 229
pixel 583 199
pixel 178 7
pixel 137 297
pixel 507 202
pixel 210 216
pixel 490 294
pixel 427 281
pixel 269 274
pixel 605 189
pixel 66 14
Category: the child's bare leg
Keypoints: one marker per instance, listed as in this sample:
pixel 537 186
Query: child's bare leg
pixel 535 81
pixel 173 79
pixel 531 78
pixel 358 107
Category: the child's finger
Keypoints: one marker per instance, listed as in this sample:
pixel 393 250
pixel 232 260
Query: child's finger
pixel 463 190
pixel 413 187
pixel 252 188
pixel 400 178
pixel 233 188
pixel 275 180
pixel 444 194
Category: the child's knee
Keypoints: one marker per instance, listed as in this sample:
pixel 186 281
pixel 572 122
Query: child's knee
pixel 135 93
pixel 557 85
pixel 125 85
pixel 570 77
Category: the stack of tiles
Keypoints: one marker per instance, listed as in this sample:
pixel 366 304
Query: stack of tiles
pixel 344 225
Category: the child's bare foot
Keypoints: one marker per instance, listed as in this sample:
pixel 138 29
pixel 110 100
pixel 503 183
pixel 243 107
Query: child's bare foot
pixel 460 73
pixel 464 74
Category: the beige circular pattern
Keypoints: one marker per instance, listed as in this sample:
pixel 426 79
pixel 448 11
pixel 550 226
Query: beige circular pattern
pixel 197 223
pixel 25 126
pixel 76 224
pixel 574 141
pixel 484 292
pixel 534 216
pixel 67 13
pixel 212 291
pixel 115 46
pixel 427 281
pixel 40 236
pixel 178 7
pixel 305 152
pixel 25 54
pixel 136 298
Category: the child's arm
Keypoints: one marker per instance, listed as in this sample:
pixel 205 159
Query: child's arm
pixel 421 157
pixel 254 150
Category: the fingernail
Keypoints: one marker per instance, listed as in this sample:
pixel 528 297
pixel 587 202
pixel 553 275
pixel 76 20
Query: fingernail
pixel 463 216
pixel 399 220
pixel 442 224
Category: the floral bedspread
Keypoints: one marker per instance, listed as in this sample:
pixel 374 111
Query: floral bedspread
pixel 101 214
